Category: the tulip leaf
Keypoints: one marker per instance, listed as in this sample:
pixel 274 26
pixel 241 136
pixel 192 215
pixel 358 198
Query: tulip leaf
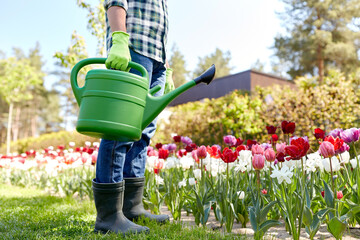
pixel 253 222
pixel 329 196
pixel 266 210
pixel 308 201
pixel 336 227
pixel 307 216
pixel 268 224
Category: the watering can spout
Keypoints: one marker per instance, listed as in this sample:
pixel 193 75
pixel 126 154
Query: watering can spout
pixel 154 105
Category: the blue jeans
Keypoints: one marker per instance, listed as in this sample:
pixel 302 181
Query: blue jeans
pixel 117 160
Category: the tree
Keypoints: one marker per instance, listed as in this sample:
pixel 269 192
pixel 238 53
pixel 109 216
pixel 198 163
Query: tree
pixel 321 35
pixel 17 78
pixel 177 63
pixel 221 61
pixel 75 53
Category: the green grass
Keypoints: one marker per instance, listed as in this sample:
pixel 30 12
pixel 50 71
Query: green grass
pixel 32 214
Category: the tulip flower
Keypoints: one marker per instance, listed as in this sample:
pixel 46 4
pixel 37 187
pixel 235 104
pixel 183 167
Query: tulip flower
pixel 214 151
pixel 274 138
pixel 230 140
pixel 327 149
pixel 177 138
pixel 163 153
pixel 201 152
pixel 336 132
pixel 264 191
pixel 271 129
pixel 158 145
pixel 186 140
pixel 258 161
pixel 297 149
pixel 288 127
pixel 250 143
pixel 350 135
pixel 228 156
pixel 269 155
pixel 339 195
pixel 319 133
pixel 257 149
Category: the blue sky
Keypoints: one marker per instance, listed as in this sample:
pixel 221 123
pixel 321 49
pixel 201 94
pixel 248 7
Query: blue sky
pixel 245 28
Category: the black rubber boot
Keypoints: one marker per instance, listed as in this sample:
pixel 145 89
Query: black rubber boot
pixel 108 199
pixel 133 206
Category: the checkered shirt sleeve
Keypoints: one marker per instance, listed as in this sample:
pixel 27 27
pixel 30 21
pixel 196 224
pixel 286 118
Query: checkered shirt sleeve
pixel 147 25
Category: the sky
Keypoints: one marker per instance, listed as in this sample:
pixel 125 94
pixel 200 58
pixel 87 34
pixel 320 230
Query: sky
pixel 197 27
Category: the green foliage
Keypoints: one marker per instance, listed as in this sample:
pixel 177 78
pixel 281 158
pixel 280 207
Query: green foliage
pixel 220 59
pixel 207 122
pixel 311 105
pixel 50 139
pixel 320 34
pixel 31 214
pixel 177 63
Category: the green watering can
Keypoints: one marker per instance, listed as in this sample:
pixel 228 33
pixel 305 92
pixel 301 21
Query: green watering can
pixel 118 105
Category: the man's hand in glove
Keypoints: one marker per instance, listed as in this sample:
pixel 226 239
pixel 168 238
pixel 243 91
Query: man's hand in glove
pixel 119 54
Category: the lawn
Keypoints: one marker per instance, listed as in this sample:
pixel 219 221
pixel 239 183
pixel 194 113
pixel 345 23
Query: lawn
pixel 27 213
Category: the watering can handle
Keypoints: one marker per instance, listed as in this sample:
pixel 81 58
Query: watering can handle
pixel 78 92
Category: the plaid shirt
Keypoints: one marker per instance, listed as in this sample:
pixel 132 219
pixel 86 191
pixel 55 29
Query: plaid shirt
pixel 147 25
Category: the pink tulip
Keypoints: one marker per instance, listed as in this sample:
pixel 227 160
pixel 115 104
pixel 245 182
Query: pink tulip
pixel 257 149
pixel 258 161
pixel 339 195
pixel 201 152
pixel 280 147
pixel 269 154
pixel 327 149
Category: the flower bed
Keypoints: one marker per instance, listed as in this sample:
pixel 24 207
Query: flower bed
pixel 246 181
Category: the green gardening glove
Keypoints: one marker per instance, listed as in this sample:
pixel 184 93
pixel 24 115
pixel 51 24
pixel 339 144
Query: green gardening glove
pixel 119 54
pixel 169 84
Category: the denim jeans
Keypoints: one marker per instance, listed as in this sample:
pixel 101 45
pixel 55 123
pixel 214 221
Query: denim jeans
pixel 116 159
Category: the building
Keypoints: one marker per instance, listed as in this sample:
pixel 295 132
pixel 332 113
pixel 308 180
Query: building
pixel 219 87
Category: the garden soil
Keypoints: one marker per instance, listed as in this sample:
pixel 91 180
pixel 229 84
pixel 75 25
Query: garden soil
pixel 273 233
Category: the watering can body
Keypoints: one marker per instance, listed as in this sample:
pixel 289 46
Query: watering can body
pixel 118 105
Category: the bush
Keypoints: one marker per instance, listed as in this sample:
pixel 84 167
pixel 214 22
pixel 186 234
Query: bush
pixel 207 122
pixel 46 140
pixel 333 104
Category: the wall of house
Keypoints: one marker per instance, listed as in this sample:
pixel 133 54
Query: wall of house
pixel 267 80
pixel 217 88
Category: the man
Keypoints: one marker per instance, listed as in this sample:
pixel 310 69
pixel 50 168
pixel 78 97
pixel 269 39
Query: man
pixel 136 31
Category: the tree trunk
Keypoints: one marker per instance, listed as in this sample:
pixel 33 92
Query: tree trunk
pixel 320 63
pixel 33 126
pixel 8 137
pixel 16 126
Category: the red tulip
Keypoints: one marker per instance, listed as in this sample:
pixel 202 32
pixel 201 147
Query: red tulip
pixel 258 161
pixel 271 129
pixel 249 143
pixel 288 127
pixel 158 145
pixel 241 148
pixel 228 156
pixel 297 148
pixel 280 156
pixel 337 142
pixel 327 149
pixel 177 138
pixel 163 153
pixel 213 151
pixel 264 191
pixel 269 154
pixel 319 133
pixel 274 138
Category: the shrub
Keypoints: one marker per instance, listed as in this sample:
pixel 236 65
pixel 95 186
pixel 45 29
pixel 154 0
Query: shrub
pixel 46 140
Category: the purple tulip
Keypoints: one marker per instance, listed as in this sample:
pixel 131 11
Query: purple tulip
pixel 186 140
pixel 170 147
pixel 350 135
pixel 230 140
pixel 266 146
pixel 336 132
pixel 342 149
